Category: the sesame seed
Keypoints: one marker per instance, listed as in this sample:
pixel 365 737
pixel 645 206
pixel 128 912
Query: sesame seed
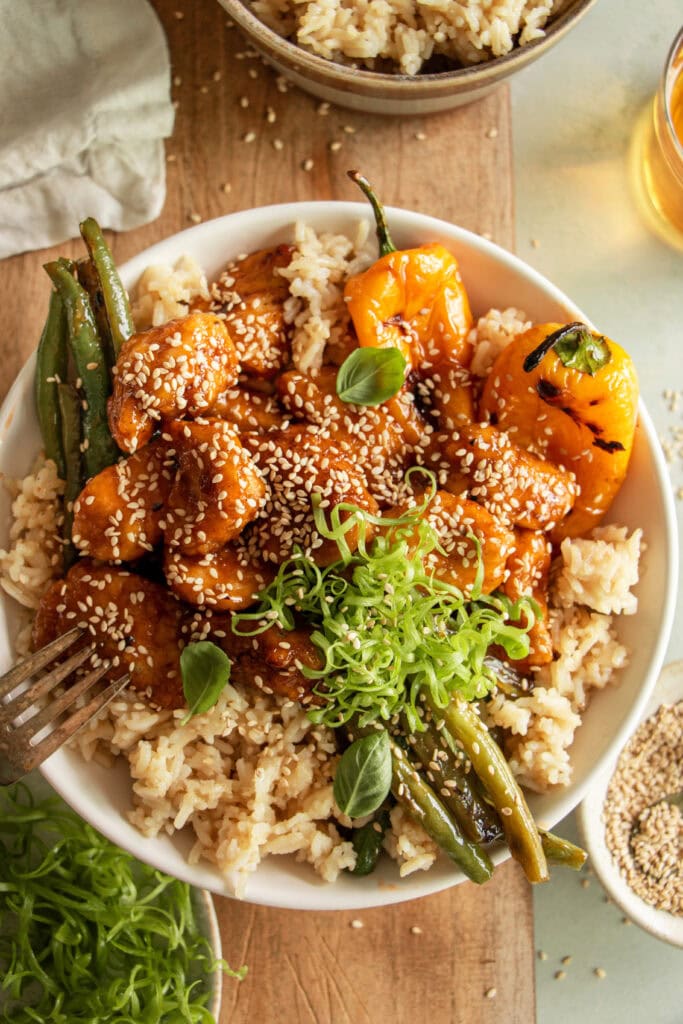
pixel 491 993
pixel 356 923
pixel 415 930
pixel 307 165
pixel 600 972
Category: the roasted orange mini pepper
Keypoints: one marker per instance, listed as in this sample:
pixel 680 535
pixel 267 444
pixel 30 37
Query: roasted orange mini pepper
pixel 570 395
pixel 411 299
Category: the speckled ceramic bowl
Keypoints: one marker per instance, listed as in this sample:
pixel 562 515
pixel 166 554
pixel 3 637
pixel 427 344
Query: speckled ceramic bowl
pixel 395 94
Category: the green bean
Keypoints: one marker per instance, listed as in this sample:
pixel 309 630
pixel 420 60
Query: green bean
pixel 88 277
pixel 495 774
pixel 51 368
pixel 99 449
pixel 562 851
pixel 113 293
pixel 70 427
pixel 367 842
pixel 437 751
pixel 418 798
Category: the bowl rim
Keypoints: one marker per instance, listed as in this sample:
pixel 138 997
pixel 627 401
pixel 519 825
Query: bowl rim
pixel 663 925
pixel 418 226
pixel 394 85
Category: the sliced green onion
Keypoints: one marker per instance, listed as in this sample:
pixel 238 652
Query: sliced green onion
pixel 385 626
pixel 87 933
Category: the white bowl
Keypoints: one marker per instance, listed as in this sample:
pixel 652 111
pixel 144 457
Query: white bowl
pixel 492 277
pixel 665 926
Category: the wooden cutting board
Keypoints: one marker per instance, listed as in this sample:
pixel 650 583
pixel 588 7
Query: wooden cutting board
pixel 464 956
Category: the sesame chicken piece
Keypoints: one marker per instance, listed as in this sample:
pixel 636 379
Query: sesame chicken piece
pixel 272 661
pixel 297 463
pixel 167 372
pixel 447 393
pixel 528 571
pixel 118 514
pixel 134 623
pixel 217 489
pixel 250 296
pixel 227 580
pixel 383 438
pixel 513 484
pixel 249 410
pixel 456 521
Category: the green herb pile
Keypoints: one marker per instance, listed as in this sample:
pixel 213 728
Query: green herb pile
pixel 88 933
pixel 388 630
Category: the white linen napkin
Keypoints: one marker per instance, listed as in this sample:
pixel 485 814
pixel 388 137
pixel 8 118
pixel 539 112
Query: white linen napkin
pixel 84 108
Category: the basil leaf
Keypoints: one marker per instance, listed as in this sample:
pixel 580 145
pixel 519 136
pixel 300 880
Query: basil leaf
pixel 205 669
pixel 583 351
pixel 369 376
pixel 363 777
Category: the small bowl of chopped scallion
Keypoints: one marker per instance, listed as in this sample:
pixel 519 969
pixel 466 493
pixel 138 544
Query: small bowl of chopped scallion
pixel 89 933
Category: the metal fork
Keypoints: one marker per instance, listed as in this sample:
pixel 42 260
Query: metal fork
pixel 21 748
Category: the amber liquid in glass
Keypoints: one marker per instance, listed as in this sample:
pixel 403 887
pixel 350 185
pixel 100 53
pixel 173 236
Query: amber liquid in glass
pixel 658 158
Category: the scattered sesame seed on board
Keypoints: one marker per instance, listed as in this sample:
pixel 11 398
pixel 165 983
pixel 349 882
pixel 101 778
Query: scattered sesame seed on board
pixel 226 187
pixel 535 243
pixel 335 146
pixel 179 15
pixel 356 923
pixel 194 217
pixel 566 960
pixel 491 993
pixel 600 972
pixel 560 975
pixel 249 137
pixel 420 136
pixel 307 165
pixel 542 955
pixel 492 133
pixel 415 930
pixel 323 109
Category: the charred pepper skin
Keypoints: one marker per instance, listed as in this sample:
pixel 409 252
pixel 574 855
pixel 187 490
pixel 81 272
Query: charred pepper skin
pixel 582 420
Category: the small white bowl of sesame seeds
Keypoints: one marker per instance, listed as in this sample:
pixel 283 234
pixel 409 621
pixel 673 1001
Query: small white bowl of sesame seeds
pixel 633 834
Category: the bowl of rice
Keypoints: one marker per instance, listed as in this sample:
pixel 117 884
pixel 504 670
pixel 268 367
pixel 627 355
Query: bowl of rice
pixel 239 800
pixel 403 56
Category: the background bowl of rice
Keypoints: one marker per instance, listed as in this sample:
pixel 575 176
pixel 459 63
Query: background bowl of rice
pixel 403 56
pixel 493 277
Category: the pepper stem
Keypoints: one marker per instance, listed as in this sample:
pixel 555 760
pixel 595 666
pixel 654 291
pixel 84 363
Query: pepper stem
pixel 383 237
pixel 577 347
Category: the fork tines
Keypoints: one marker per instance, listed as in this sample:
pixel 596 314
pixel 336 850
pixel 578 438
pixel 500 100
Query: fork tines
pixel 24 744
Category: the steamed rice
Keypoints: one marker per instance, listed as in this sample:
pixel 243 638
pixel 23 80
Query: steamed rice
pixel 400 35
pixel 253 776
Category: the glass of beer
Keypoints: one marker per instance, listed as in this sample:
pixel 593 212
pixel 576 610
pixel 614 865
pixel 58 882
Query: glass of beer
pixel 657 153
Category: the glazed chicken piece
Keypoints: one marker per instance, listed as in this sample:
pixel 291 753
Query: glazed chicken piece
pixel 169 372
pixel 448 394
pixel 119 512
pixel 217 489
pixel 249 411
pixel 250 296
pixel 515 486
pixel 228 580
pixel 296 465
pixel 454 519
pixel 383 438
pixel 272 661
pixel 528 569
pixel 135 624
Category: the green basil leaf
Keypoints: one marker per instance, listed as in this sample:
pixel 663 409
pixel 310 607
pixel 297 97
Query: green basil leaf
pixel 583 351
pixel 363 777
pixel 205 669
pixel 370 376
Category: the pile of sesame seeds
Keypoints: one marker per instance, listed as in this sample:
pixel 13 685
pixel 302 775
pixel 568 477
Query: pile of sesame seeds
pixel 644 834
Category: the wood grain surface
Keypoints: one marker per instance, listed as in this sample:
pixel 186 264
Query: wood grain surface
pixel 433 959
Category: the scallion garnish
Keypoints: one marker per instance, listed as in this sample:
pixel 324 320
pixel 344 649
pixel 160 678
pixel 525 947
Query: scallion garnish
pixel 385 626
pixel 87 933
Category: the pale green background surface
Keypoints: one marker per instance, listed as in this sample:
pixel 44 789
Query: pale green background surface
pixel 573 115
